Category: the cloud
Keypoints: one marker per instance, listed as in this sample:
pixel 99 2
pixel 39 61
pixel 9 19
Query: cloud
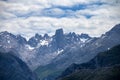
pixel 42 16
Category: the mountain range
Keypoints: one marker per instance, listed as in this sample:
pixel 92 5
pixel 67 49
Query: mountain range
pixel 48 55
pixel 79 54
pixel 40 50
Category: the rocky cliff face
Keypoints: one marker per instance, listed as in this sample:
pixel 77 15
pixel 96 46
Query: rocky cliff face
pixel 12 68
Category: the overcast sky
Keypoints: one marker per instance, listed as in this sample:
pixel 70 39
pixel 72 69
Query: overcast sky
pixel 27 17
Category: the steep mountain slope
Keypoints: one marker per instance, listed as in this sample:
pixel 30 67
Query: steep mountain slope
pixel 105 66
pixel 10 42
pixel 106 73
pixel 12 68
pixel 81 53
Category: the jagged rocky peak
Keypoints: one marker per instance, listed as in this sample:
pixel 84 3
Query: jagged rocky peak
pixel 59 39
pixel 6 38
pixel 46 36
pixel 33 41
pixel 72 37
pixel 5 34
pixel 21 39
pixel 9 36
pixel 72 34
pixel 59 32
pixel 83 35
pixel 38 36
pixel 69 34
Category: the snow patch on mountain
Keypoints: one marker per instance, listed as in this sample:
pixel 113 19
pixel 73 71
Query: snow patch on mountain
pixel 83 39
pixel 59 51
pixel 8 41
pixel 44 42
pixel 108 48
pixel 29 47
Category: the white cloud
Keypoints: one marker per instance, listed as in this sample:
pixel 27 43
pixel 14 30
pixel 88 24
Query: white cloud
pixel 56 12
pixel 42 17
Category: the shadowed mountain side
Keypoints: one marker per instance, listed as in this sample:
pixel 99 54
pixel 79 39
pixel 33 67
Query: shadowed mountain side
pixel 105 66
pixel 12 68
pixel 106 73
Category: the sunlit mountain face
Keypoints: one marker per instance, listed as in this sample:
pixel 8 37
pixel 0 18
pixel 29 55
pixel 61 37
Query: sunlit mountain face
pixel 49 36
